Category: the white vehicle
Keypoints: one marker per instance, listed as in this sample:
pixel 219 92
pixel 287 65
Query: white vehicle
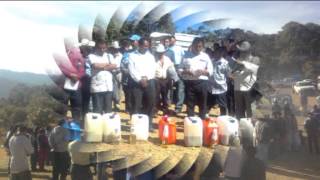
pixel 306 84
pixel 183 40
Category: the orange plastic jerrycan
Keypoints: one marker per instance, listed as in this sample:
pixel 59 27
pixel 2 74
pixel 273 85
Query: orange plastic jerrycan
pixel 210 131
pixel 167 130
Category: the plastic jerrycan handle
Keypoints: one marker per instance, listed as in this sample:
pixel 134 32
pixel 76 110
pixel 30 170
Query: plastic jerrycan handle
pixel 113 115
pixel 193 121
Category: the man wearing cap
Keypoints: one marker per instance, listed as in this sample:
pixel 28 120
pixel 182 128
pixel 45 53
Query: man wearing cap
pixel 163 64
pixel 177 58
pixel 142 69
pixel 245 76
pixel 101 82
pixel 196 69
pixel 126 78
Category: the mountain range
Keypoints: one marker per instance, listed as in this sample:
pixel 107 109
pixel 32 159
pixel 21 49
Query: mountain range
pixel 9 79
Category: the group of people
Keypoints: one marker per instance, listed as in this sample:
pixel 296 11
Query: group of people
pixel 151 80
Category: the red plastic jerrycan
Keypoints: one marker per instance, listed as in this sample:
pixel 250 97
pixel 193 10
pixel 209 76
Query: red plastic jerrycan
pixel 167 130
pixel 210 131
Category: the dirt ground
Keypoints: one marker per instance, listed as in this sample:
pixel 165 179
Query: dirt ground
pixel 288 166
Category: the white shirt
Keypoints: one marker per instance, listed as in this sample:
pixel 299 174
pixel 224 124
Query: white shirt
pixel 20 148
pixel 101 80
pixel 244 79
pixel 142 65
pixel 77 157
pixel 178 54
pixel 218 80
pixel 196 62
pixel 161 71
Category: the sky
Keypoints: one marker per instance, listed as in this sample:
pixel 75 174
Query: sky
pixel 32 31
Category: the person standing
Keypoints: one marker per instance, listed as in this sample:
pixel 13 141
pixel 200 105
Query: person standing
pixel 116 74
pixel 245 76
pixel 58 140
pixel 178 54
pixel 86 49
pixel 196 68
pixel 101 82
pixel 311 126
pixel 163 64
pixel 142 69
pixel 44 148
pixel 74 72
pixel 218 81
pixel 20 148
pixel 126 78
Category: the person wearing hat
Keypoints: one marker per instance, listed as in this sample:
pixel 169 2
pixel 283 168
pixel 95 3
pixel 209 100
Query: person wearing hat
pixel 126 79
pixel 117 55
pixel 163 64
pixel 142 68
pixel 245 76
pixel 196 69
pixel 102 64
pixel 86 48
pixel 58 140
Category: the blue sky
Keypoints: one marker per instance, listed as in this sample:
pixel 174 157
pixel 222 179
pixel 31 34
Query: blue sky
pixel 31 31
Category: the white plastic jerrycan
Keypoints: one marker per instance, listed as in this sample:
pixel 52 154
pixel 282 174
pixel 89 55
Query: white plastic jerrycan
pixel 193 131
pixel 140 126
pixel 228 126
pixel 93 127
pixel 111 127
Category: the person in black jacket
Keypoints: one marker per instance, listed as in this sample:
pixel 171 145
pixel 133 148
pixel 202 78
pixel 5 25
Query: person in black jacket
pixel 312 128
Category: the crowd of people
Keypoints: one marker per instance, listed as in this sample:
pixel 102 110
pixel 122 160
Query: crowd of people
pixel 153 78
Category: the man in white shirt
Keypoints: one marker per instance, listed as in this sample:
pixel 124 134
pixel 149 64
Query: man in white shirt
pixel 196 69
pixel 163 64
pixel 101 81
pixel 142 69
pixel 245 77
pixel 20 148
pixel 218 81
pixel 177 58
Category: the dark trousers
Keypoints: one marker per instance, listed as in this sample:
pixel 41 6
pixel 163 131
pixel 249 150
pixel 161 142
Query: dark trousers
pixel 196 94
pixel 230 98
pixel 220 99
pixel 85 91
pixel 75 98
pixel 33 160
pixel 162 92
pixel 61 164
pixel 313 141
pixel 128 98
pixel 144 99
pixel 81 172
pixel 25 175
pixel 243 104
pixel 42 157
pixel 102 102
